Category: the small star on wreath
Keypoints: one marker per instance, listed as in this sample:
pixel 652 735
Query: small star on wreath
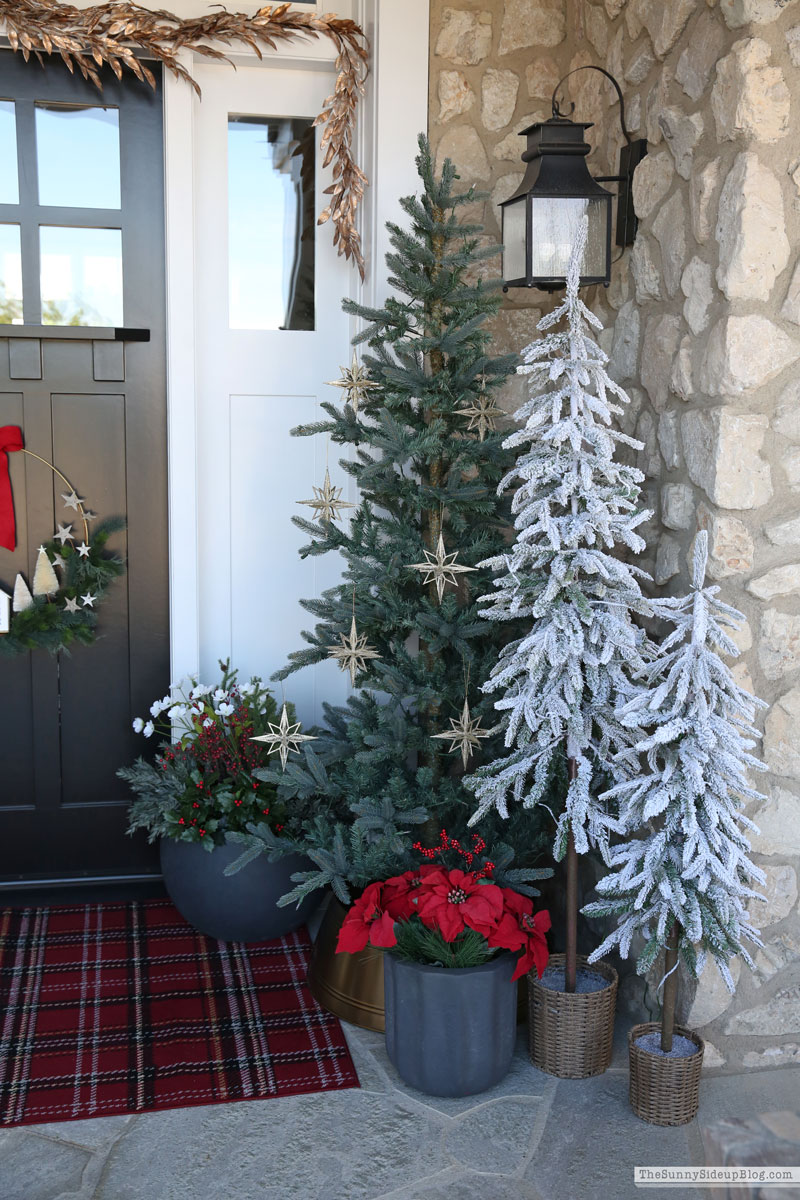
pixel 440 568
pixel 355 382
pixel 354 652
pixel 283 737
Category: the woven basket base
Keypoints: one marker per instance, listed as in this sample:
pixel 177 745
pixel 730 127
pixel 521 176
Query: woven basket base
pixel 664 1091
pixel 571 1035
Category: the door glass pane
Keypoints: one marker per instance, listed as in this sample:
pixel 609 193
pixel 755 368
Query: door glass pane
pixel 81 272
pixel 77 155
pixel 271 223
pixel 10 276
pixel 9 186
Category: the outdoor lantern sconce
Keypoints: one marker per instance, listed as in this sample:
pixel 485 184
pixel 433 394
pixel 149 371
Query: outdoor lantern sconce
pixel 540 220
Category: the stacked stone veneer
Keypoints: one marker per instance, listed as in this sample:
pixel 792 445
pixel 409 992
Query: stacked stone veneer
pixel 703 328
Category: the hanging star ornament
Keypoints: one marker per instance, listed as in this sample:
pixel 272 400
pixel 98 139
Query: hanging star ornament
pixel 440 568
pixel 326 502
pixel 355 382
pixel 71 500
pixel 64 534
pixel 465 734
pixel 283 737
pixel 482 415
pixel 354 652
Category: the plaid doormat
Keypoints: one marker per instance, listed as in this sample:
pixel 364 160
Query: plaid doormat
pixel 124 1008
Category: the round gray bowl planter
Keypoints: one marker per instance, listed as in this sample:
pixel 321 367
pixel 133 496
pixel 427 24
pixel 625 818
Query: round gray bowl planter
pixel 233 908
pixel 450 1031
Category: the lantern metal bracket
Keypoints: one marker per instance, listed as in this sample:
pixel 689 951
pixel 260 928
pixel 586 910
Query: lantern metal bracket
pixel 630 155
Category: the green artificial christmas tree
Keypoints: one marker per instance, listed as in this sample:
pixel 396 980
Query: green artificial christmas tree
pixel 417 423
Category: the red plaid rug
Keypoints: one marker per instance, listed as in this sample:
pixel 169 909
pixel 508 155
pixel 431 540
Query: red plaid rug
pixel 124 1008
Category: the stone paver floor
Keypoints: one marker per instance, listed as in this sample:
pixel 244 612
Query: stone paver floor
pixel 530 1138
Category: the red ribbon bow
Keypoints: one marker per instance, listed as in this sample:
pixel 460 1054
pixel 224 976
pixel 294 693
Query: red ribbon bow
pixel 10 440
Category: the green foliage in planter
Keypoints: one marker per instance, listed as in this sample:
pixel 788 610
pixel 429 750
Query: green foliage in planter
pixel 419 944
pixel 205 783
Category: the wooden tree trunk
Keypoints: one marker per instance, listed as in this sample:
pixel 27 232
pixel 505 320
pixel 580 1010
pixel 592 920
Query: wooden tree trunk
pixel 670 988
pixel 571 948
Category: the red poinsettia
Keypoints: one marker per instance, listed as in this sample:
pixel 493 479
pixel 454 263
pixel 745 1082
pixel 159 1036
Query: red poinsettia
pixel 452 901
pixel 449 902
pixel 520 928
pixel 367 921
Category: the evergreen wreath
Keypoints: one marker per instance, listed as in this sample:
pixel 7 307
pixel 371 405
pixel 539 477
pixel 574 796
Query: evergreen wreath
pixel 68 614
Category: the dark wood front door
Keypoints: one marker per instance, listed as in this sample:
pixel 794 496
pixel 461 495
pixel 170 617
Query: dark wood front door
pixel 82 372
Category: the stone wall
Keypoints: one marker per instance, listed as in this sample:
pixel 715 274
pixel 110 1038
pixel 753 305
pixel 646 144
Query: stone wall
pixel 703 328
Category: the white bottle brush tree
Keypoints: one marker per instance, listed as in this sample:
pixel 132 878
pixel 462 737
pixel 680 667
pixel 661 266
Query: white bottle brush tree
pixel 682 878
pixel 574 504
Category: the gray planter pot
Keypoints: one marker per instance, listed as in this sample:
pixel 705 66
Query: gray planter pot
pixel 450 1031
pixel 233 908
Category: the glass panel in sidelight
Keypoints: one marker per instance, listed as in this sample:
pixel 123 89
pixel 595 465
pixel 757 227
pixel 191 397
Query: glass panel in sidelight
pixel 9 177
pixel 77 155
pixel 271 222
pixel 81 275
pixel 10 276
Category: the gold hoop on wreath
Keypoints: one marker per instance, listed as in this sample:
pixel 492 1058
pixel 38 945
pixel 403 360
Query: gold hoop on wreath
pixel 109 33
pixel 79 509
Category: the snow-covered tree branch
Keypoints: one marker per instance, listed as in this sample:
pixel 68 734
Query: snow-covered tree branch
pixel 574 505
pixel 685 857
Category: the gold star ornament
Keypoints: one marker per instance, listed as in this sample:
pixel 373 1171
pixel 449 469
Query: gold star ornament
pixel 326 502
pixel 283 737
pixel 482 415
pixel 355 382
pixel 354 652
pixel 465 734
pixel 440 568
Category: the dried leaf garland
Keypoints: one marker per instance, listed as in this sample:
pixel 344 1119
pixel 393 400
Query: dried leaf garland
pixel 106 33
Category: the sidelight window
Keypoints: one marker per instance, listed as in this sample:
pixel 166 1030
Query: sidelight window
pixel 271 222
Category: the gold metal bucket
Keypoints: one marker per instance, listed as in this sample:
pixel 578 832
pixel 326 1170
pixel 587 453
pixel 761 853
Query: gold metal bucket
pixel 349 985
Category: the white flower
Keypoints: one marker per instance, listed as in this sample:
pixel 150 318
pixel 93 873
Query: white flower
pixel 149 729
pixel 157 707
pixel 220 694
pixel 177 711
pixel 199 689
pixel 209 721
pixel 224 710
pixel 247 689
pixel 138 725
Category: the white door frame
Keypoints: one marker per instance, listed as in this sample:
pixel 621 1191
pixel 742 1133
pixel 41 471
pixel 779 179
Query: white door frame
pixel 391 115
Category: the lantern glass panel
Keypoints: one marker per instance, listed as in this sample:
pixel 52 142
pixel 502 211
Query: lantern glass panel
pixel 514 265
pixel 554 227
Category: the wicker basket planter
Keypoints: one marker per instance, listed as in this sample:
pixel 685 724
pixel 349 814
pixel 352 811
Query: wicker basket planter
pixel 571 1035
pixel 664 1091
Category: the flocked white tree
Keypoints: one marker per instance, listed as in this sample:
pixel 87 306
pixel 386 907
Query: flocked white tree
pixel 682 876
pixel 574 505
